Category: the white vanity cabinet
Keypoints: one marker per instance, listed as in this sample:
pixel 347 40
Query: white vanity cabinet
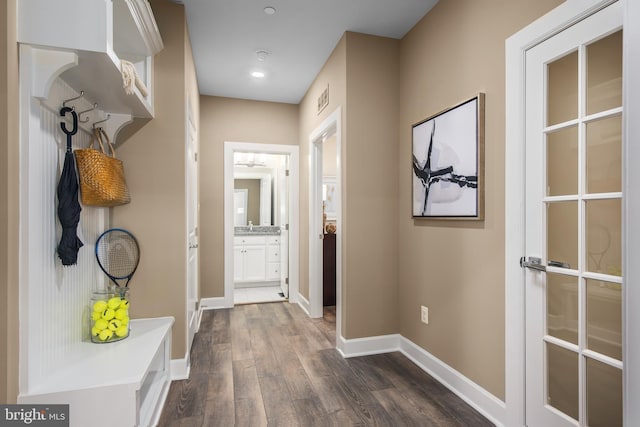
pixel 256 258
pixel 250 254
pixel 273 258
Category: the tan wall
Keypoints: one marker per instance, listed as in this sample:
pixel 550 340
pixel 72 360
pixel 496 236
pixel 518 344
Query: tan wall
pixel 235 120
pixel 456 51
pixel 9 326
pixel 154 159
pixel 362 74
pixel 370 196
pixel 329 157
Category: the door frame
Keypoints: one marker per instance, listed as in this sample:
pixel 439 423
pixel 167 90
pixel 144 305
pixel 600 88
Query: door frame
pixel 294 217
pixel 316 138
pixel 516 46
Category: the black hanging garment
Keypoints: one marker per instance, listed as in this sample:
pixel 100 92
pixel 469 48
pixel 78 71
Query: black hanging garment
pixel 68 205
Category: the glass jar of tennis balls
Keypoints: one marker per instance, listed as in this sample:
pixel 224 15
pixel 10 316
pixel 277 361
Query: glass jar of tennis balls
pixel 109 315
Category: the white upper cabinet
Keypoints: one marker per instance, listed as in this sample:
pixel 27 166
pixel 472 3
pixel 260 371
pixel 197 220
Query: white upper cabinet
pixel 101 33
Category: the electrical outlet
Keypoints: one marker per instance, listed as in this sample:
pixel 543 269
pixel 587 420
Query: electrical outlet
pixel 424 315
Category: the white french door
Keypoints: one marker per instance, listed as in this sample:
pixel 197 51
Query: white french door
pixel 573 235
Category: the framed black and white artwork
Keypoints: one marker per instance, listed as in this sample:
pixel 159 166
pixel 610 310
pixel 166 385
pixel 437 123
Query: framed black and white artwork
pixel 447 165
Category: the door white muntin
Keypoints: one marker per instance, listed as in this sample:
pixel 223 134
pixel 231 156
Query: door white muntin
pixel 562 355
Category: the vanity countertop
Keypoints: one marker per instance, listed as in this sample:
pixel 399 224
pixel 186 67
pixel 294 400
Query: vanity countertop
pixel 257 230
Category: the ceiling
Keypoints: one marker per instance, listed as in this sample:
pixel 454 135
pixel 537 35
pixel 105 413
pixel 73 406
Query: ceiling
pixel 299 37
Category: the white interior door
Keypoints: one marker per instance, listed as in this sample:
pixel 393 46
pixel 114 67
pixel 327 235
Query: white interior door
pixel 192 228
pixel 283 207
pixel 573 225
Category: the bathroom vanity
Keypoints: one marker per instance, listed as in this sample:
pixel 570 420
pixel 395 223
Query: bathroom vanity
pixel 256 254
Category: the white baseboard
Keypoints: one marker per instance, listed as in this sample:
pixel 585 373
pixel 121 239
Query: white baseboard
pixel 215 303
pixel 369 345
pixel 477 397
pixel 180 369
pixel 480 399
pixel 304 304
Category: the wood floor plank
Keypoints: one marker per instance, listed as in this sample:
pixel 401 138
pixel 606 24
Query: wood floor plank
pixel 309 410
pixel 297 381
pixel 364 368
pixel 250 412
pixel 277 400
pixel 245 380
pixel 237 319
pixel 241 344
pixel 220 360
pixel 219 413
pixel 220 387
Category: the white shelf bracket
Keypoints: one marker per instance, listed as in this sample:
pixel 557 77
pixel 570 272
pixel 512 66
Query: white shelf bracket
pixel 46 66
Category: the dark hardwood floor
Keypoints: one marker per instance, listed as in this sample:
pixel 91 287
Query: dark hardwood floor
pixel 269 364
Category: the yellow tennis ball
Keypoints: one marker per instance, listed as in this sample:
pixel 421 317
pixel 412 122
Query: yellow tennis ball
pixel 121 313
pixel 108 314
pixel 100 306
pixel 114 324
pixel 95 331
pixel 101 324
pixel 105 334
pixel 124 321
pixel 122 331
pixel 114 303
pixel 96 315
pixel 124 303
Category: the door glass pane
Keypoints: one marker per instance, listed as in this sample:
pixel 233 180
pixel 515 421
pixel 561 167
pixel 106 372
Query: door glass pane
pixel 604 225
pixel 562 380
pixel 604 395
pixel 562 162
pixel 562 89
pixel 562 234
pixel 604 155
pixel 604 318
pixel 604 73
pixel 562 307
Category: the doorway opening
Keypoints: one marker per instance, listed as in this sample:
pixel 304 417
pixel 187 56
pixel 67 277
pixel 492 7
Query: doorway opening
pixel 325 218
pixel 260 223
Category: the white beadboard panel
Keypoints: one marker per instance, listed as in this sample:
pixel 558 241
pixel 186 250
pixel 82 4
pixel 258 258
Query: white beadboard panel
pixel 57 297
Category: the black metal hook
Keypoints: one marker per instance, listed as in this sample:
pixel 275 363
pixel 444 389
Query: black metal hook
pixel 63 125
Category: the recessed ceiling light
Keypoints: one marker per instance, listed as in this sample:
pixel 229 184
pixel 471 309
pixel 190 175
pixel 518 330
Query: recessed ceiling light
pixel 257 74
pixel 269 10
pixel 262 54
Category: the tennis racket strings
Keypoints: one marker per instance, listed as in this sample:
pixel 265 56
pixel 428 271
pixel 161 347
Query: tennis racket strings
pixel 118 254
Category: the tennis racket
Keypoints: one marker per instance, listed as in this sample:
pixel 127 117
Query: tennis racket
pixel 118 255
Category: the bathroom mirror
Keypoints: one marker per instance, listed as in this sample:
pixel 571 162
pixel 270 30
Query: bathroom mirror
pixel 252 197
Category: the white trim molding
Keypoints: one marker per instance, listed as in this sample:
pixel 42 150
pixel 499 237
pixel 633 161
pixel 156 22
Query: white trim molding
pixel 477 397
pixel 180 369
pixel 294 218
pixel 367 346
pixel 631 211
pixel 215 303
pixel 303 303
